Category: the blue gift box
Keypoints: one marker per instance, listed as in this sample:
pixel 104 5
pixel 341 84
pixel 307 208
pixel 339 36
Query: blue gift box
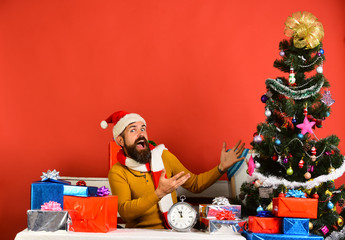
pixel 297 226
pixel 80 191
pixel 42 192
pixel 266 236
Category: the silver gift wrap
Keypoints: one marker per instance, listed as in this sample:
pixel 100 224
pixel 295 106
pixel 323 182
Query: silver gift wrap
pixel 50 221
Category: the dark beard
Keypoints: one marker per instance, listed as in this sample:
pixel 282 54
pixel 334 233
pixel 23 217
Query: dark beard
pixel 142 156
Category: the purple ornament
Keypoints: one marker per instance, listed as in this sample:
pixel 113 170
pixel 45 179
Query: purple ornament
pixel 285 160
pixel 264 98
pixel 310 168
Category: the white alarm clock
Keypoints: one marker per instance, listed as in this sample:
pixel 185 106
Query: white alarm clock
pixel 182 216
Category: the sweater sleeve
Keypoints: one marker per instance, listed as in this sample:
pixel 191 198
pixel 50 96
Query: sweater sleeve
pixel 197 182
pixel 129 209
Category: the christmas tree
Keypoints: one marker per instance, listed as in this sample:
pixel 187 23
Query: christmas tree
pixel 288 153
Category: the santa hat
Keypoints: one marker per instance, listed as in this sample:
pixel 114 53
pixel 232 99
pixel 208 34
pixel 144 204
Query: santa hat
pixel 121 120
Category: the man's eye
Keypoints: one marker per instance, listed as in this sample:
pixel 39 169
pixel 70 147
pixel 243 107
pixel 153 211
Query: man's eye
pixel 132 130
pixel 143 129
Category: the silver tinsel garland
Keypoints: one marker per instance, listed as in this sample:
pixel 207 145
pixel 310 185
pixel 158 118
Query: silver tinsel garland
pixel 297 95
pixel 336 235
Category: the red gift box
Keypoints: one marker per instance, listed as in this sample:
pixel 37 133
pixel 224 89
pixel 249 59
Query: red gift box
pixel 295 207
pixel 92 214
pixel 264 224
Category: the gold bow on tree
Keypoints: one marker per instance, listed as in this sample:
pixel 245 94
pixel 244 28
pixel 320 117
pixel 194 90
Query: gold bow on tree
pixel 305 29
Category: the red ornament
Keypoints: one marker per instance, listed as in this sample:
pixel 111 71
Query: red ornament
pixel 274 157
pixel 305 111
pixel 316 196
pixel 301 163
pixel 281 194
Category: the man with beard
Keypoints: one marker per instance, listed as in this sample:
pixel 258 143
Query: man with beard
pixel 145 178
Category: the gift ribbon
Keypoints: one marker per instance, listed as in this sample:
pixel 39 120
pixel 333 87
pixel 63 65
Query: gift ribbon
pixel 81 183
pixel 50 175
pixel 51 206
pixel 295 193
pixel 225 215
pixel 103 191
pixel 220 201
pixel 264 214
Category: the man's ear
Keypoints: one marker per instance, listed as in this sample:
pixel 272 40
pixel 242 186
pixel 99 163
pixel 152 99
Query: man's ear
pixel 120 141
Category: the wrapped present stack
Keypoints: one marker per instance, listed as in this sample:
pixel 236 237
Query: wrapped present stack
pixel 57 205
pixel 289 218
pixel 221 217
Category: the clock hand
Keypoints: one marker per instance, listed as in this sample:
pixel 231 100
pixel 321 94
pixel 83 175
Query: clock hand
pixel 180 212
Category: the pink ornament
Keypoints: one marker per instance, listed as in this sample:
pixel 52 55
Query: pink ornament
pixel 324 230
pixel 251 165
pixel 306 126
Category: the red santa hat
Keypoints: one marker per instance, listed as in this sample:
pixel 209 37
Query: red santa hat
pixel 121 120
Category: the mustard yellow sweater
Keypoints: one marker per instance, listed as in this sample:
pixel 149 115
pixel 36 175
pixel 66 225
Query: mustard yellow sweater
pixel 137 201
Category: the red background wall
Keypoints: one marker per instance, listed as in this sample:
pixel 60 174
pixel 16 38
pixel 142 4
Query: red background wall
pixel 195 70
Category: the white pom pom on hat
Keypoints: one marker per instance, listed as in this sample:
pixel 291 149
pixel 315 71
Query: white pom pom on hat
pixel 121 119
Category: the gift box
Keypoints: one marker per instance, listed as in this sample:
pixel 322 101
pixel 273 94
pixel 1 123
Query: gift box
pixel 215 226
pixel 211 211
pixel 264 224
pixel 92 214
pixel 267 236
pixel 298 226
pixel 39 220
pixel 80 191
pixel 295 207
pixel 42 192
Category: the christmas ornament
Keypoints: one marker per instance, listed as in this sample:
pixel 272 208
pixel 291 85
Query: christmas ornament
pixel 285 160
pixel 268 113
pixel 340 221
pixel 300 136
pixel 324 230
pixel 331 170
pixel 306 147
pixel 313 158
pixel 330 205
pixel 291 92
pixel 319 69
pixel 264 98
pixel 269 94
pixel 305 29
pixel 294 120
pixel 257 139
pixel 329 193
pixel 307 175
pixel 301 163
pixel 257 165
pixel 289 171
pixel 316 196
pixel 281 194
pixel 257 183
pixel 274 157
pixel 259 209
pixel 270 207
pixel 306 126
pixel 251 165
pixel 277 142
pixel 282 53
pixel 327 114
pixel 341 202
pixel 311 225
pixel 313 151
pixel 322 51
pixel 310 168
pixel 292 78
pixel 305 111
pixel 327 99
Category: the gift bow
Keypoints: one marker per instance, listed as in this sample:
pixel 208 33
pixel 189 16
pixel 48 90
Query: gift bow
pixel 305 29
pixel 295 193
pixel 50 175
pixel 225 215
pixel 220 201
pixel 51 206
pixel 103 191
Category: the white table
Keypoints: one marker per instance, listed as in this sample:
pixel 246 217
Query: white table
pixel 128 234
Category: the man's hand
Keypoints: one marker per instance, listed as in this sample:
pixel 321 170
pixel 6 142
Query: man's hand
pixel 168 185
pixel 227 159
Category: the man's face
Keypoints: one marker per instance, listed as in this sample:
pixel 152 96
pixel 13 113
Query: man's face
pixel 134 142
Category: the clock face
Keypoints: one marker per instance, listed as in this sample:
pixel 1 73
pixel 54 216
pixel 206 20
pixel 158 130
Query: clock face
pixel 182 216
